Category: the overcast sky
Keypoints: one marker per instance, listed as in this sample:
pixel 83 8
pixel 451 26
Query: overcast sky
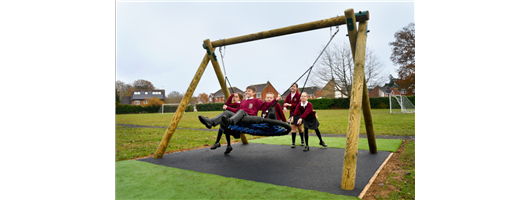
pixel 162 41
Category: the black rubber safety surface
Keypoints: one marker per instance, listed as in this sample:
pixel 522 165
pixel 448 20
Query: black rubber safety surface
pixel 318 169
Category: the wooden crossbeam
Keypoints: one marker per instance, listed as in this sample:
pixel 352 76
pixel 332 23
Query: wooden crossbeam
pixel 325 23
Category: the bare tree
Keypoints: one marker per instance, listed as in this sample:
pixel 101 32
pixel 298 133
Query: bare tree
pixel 143 84
pixel 337 64
pixel 374 70
pixel 123 88
pixel 174 97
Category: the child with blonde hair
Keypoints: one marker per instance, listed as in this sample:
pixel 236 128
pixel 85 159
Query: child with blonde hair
pixel 304 114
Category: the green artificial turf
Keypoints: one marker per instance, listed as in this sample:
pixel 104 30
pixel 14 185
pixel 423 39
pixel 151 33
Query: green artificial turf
pixel 332 142
pixel 141 180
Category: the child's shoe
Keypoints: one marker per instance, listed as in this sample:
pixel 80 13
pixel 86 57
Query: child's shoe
pixel 323 144
pixel 228 150
pixel 215 146
pixel 206 121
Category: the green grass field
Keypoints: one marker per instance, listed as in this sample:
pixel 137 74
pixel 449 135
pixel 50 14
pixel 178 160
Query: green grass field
pixel 139 180
pixel 331 121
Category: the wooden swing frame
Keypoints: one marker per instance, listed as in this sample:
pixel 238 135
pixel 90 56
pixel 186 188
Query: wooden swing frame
pixel 359 100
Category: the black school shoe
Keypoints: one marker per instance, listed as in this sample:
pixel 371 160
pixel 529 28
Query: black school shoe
pixel 323 144
pixel 306 148
pixel 215 146
pixel 228 150
pixel 302 143
pixel 206 121
pixel 292 146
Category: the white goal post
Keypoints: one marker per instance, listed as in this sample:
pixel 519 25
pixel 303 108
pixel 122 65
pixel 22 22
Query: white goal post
pixel 168 108
pixel 403 102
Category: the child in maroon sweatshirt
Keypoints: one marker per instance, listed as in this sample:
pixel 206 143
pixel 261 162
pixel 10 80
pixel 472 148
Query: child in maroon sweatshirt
pixel 291 101
pixel 237 97
pixel 305 114
pixel 231 116
pixel 269 97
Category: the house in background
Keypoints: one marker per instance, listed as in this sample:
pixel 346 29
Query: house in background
pixel 314 92
pixel 219 97
pixel 385 92
pixel 332 90
pixel 379 92
pixel 141 97
pixel 391 85
pixel 263 89
pixel 411 91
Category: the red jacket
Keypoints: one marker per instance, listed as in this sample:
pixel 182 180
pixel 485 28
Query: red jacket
pixel 295 101
pixel 251 106
pixel 229 102
pixel 305 112
pixel 279 113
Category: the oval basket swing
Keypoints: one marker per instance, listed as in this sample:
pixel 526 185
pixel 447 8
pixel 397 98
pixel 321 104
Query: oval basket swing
pixel 255 125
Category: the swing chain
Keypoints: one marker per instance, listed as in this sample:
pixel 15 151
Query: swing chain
pixel 311 68
pixel 224 69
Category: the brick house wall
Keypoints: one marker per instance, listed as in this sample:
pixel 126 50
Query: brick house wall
pixel 267 89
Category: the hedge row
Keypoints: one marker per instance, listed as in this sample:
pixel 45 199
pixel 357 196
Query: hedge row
pixel 134 109
pixel 209 107
pixel 339 103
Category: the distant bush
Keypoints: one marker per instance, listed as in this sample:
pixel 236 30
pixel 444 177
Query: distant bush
pixel 210 107
pixel 134 109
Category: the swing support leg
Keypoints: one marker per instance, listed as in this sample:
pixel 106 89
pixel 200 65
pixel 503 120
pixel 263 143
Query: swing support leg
pixel 208 45
pixel 368 123
pixel 182 107
pixel 358 49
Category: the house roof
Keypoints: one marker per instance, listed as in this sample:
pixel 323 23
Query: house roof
pixel 260 87
pixel 310 90
pixel 125 100
pixel 219 93
pixel 149 94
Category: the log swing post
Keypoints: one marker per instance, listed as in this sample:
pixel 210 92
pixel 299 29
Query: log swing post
pixel 182 107
pixel 208 45
pixel 368 123
pixel 358 49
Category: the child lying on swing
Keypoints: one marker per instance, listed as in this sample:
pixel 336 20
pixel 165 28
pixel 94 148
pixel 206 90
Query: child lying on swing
pixel 231 116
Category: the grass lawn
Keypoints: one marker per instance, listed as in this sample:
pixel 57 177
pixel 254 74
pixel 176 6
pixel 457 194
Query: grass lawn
pixel 406 184
pixel 139 142
pixel 141 180
pixel 331 121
